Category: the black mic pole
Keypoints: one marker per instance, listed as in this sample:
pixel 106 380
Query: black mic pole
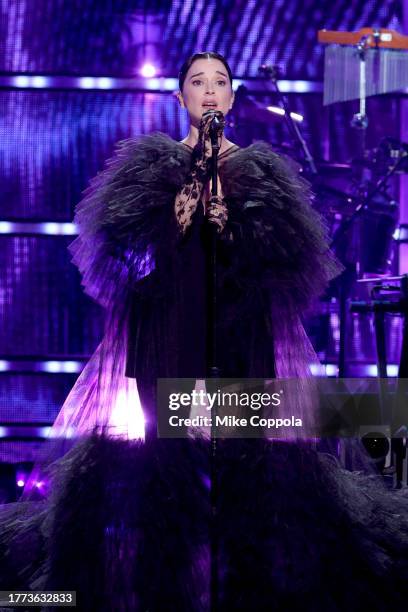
pixel 216 127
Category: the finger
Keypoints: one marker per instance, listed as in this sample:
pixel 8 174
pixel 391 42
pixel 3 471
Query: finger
pixel 216 222
pixel 220 222
pixel 218 211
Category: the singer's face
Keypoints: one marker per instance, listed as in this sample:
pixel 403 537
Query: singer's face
pixel 206 87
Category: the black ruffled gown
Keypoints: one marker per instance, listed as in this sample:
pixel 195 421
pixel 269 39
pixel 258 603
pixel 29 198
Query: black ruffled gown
pixel 127 522
pixel 244 332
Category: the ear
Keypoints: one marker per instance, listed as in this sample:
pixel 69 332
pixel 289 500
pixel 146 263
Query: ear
pixel 179 97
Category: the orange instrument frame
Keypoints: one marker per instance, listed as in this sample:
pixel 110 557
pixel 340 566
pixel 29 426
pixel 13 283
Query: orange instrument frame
pixel 375 37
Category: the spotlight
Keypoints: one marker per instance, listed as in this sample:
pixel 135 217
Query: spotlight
pixel 104 83
pixel 376 444
pixel 331 369
pixel 23 470
pixel 4 366
pixel 376 439
pixel 87 82
pixel 39 81
pixel 21 80
pixel 397 233
pixel 296 117
pixel 55 229
pixel 61 367
pixel 277 110
pixel 148 70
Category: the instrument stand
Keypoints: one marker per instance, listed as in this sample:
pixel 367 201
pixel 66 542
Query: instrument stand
pixel 380 306
pixel 360 119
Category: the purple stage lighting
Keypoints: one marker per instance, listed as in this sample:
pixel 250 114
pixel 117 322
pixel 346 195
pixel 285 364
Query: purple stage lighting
pixel 277 110
pixel 148 70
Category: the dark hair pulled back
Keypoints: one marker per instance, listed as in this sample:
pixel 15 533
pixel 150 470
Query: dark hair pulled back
pixel 202 55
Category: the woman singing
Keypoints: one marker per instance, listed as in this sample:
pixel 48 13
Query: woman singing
pixel 127 522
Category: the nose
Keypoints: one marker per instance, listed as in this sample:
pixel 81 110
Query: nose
pixel 209 87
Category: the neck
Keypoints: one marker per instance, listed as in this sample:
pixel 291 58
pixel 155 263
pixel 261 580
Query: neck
pixel 192 139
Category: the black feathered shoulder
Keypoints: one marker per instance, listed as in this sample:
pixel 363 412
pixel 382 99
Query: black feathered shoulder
pixel 279 240
pixel 126 213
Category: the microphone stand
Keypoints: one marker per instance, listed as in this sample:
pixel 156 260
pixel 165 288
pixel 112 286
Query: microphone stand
pixel 273 73
pixel 213 369
pixel 212 362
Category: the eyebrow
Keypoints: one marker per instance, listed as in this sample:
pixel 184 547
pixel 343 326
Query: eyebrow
pixel 200 73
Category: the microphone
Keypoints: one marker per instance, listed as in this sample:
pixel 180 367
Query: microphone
pixel 218 119
pixel 270 71
pixel 217 124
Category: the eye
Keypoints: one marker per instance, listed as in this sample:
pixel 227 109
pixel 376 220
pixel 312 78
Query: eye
pixel 197 82
pixel 222 83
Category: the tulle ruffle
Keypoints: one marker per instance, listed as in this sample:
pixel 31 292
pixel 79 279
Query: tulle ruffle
pixel 127 526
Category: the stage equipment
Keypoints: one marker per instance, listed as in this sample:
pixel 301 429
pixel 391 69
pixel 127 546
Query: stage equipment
pixel 272 74
pixel 247 109
pixel 355 198
pixel 389 295
pixel 363 219
pixel 368 196
pixel 249 118
pixel 360 64
pixel 217 124
pixel 377 442
pixel 277 110
pixel 213 371
pixel 387 154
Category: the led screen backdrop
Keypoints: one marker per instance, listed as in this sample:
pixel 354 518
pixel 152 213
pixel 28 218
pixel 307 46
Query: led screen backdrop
pixel 53 142
pixel 32 397
pixel 43 310
pixel 113 37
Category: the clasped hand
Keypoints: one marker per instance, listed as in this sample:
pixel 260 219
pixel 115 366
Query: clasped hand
pixel 197 186
pixel 217 212
pixel 216 209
